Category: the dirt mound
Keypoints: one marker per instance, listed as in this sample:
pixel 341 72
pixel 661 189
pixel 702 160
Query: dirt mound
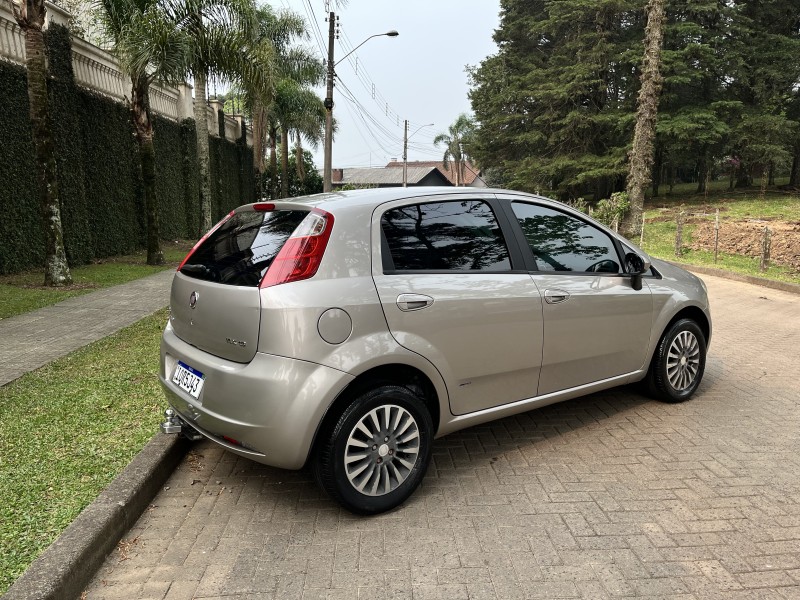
pixel 745 237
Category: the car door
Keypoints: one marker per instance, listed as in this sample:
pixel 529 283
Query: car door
pixel 449 291
pixel 596 326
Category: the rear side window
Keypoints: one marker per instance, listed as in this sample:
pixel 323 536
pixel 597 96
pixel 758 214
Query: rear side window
pixel 242 249
pixel 563 243
pixel 444 236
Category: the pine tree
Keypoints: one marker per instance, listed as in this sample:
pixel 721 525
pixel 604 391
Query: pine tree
pixel 554 105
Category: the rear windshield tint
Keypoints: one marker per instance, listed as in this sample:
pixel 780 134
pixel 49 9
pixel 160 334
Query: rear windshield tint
pixel 241 251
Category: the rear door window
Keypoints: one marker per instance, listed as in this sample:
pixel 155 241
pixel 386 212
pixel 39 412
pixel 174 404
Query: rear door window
pixel 242 249
pixel 563 243
pixel 459 235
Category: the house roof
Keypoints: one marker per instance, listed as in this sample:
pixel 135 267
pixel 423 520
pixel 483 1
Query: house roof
pixel 470 171
pixel 387 175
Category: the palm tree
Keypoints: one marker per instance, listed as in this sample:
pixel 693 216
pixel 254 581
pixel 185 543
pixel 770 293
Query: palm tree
pixel 29 15
pixel 453 141
pixel 297 109
pixel 149 46
pixel 225 45
pixel 293 105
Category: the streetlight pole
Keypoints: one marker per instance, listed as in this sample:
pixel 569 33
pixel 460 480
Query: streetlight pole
pixel 326 170
pixel 405 148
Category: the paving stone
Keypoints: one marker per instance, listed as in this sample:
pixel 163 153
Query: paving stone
pixel 608 496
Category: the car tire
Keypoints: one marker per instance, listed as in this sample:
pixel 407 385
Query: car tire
pixel 376 454
pixel 678 362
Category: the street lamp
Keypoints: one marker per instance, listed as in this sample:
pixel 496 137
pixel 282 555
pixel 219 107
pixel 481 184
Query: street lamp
pixel 326 172
pixel 406 137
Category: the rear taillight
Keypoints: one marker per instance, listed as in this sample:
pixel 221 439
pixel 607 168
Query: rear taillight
pixel 203 239
pixel 302 253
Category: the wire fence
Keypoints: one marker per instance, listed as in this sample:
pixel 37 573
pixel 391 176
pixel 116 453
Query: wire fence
pixel 770 242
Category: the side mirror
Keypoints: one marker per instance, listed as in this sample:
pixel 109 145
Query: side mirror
pixel 636 266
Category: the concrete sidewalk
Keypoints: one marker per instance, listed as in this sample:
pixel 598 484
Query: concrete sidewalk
pixel 33 339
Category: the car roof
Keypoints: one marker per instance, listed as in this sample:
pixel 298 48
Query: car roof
pixel 376 196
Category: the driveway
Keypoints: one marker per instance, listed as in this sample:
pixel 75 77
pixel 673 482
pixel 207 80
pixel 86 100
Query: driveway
pixel 608 496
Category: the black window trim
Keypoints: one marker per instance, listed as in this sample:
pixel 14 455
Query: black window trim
pixel 530 259
pixel 515 254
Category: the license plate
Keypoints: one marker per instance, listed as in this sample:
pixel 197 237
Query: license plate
pixel 188 379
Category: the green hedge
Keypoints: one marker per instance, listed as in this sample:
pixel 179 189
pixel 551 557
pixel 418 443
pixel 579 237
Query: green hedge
pixel 99 173
pixel 21 239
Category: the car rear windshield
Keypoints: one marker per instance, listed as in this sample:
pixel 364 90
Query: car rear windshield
pixel 242 249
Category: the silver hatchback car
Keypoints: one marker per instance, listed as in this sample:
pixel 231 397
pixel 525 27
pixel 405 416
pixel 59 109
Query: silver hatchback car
pixel 348 330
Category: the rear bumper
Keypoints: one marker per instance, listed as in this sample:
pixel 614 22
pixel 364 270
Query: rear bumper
pixel 271 406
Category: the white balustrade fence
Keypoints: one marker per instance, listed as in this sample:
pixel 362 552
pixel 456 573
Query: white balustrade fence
pixel 98 70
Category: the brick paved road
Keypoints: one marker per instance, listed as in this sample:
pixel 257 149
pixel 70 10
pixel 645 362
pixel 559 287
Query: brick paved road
pixel 609 496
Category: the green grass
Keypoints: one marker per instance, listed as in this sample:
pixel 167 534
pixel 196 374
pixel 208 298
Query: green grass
pixel 66 430
pixel 660 227
pixel 24 292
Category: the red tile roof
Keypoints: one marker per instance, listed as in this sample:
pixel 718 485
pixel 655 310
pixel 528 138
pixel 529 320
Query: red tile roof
pixel 470 172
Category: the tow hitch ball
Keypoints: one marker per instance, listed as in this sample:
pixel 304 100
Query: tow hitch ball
pixel 174 424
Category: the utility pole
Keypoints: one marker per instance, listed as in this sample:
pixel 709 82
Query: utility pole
pixel 405 153
pixel 332 20
pixel 326 172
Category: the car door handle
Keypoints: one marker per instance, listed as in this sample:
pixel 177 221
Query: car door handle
pixel 555 296
pixel 409 302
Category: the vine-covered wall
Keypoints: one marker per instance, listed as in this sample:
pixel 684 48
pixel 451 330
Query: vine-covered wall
pixel 98 171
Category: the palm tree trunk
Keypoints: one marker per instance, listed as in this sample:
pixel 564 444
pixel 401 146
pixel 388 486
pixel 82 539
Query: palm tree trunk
pixel 143 125
pixel 203 153
pixel 641 156
pixel 259 131
pixel 273 164
pixel 284 162
pixel 298 159
pixel 30 17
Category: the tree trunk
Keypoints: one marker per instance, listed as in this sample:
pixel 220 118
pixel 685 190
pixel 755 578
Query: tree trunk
pixel 743 178
pixel 143 125
pixel 284 162
pixel 259 131
pixel 794 178
pixel 702 171
pixel 641 156
pixel 273 164
pixel 772 173
pixel 203 153
pixel 298 159
pixel 30 17
pixel 658 167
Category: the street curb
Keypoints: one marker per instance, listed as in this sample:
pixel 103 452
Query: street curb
pixel 67 566
pixel 783 286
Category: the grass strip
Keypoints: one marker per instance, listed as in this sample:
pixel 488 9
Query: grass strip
pixel 23 292
pixel 660 229
pixel 66 430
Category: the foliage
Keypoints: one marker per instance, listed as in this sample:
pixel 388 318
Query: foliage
pixel 310 184
pixel 555 104
pixel 101 194
pixel 108 402
pixel 609 211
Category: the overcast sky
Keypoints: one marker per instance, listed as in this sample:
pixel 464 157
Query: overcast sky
pixel 419 74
